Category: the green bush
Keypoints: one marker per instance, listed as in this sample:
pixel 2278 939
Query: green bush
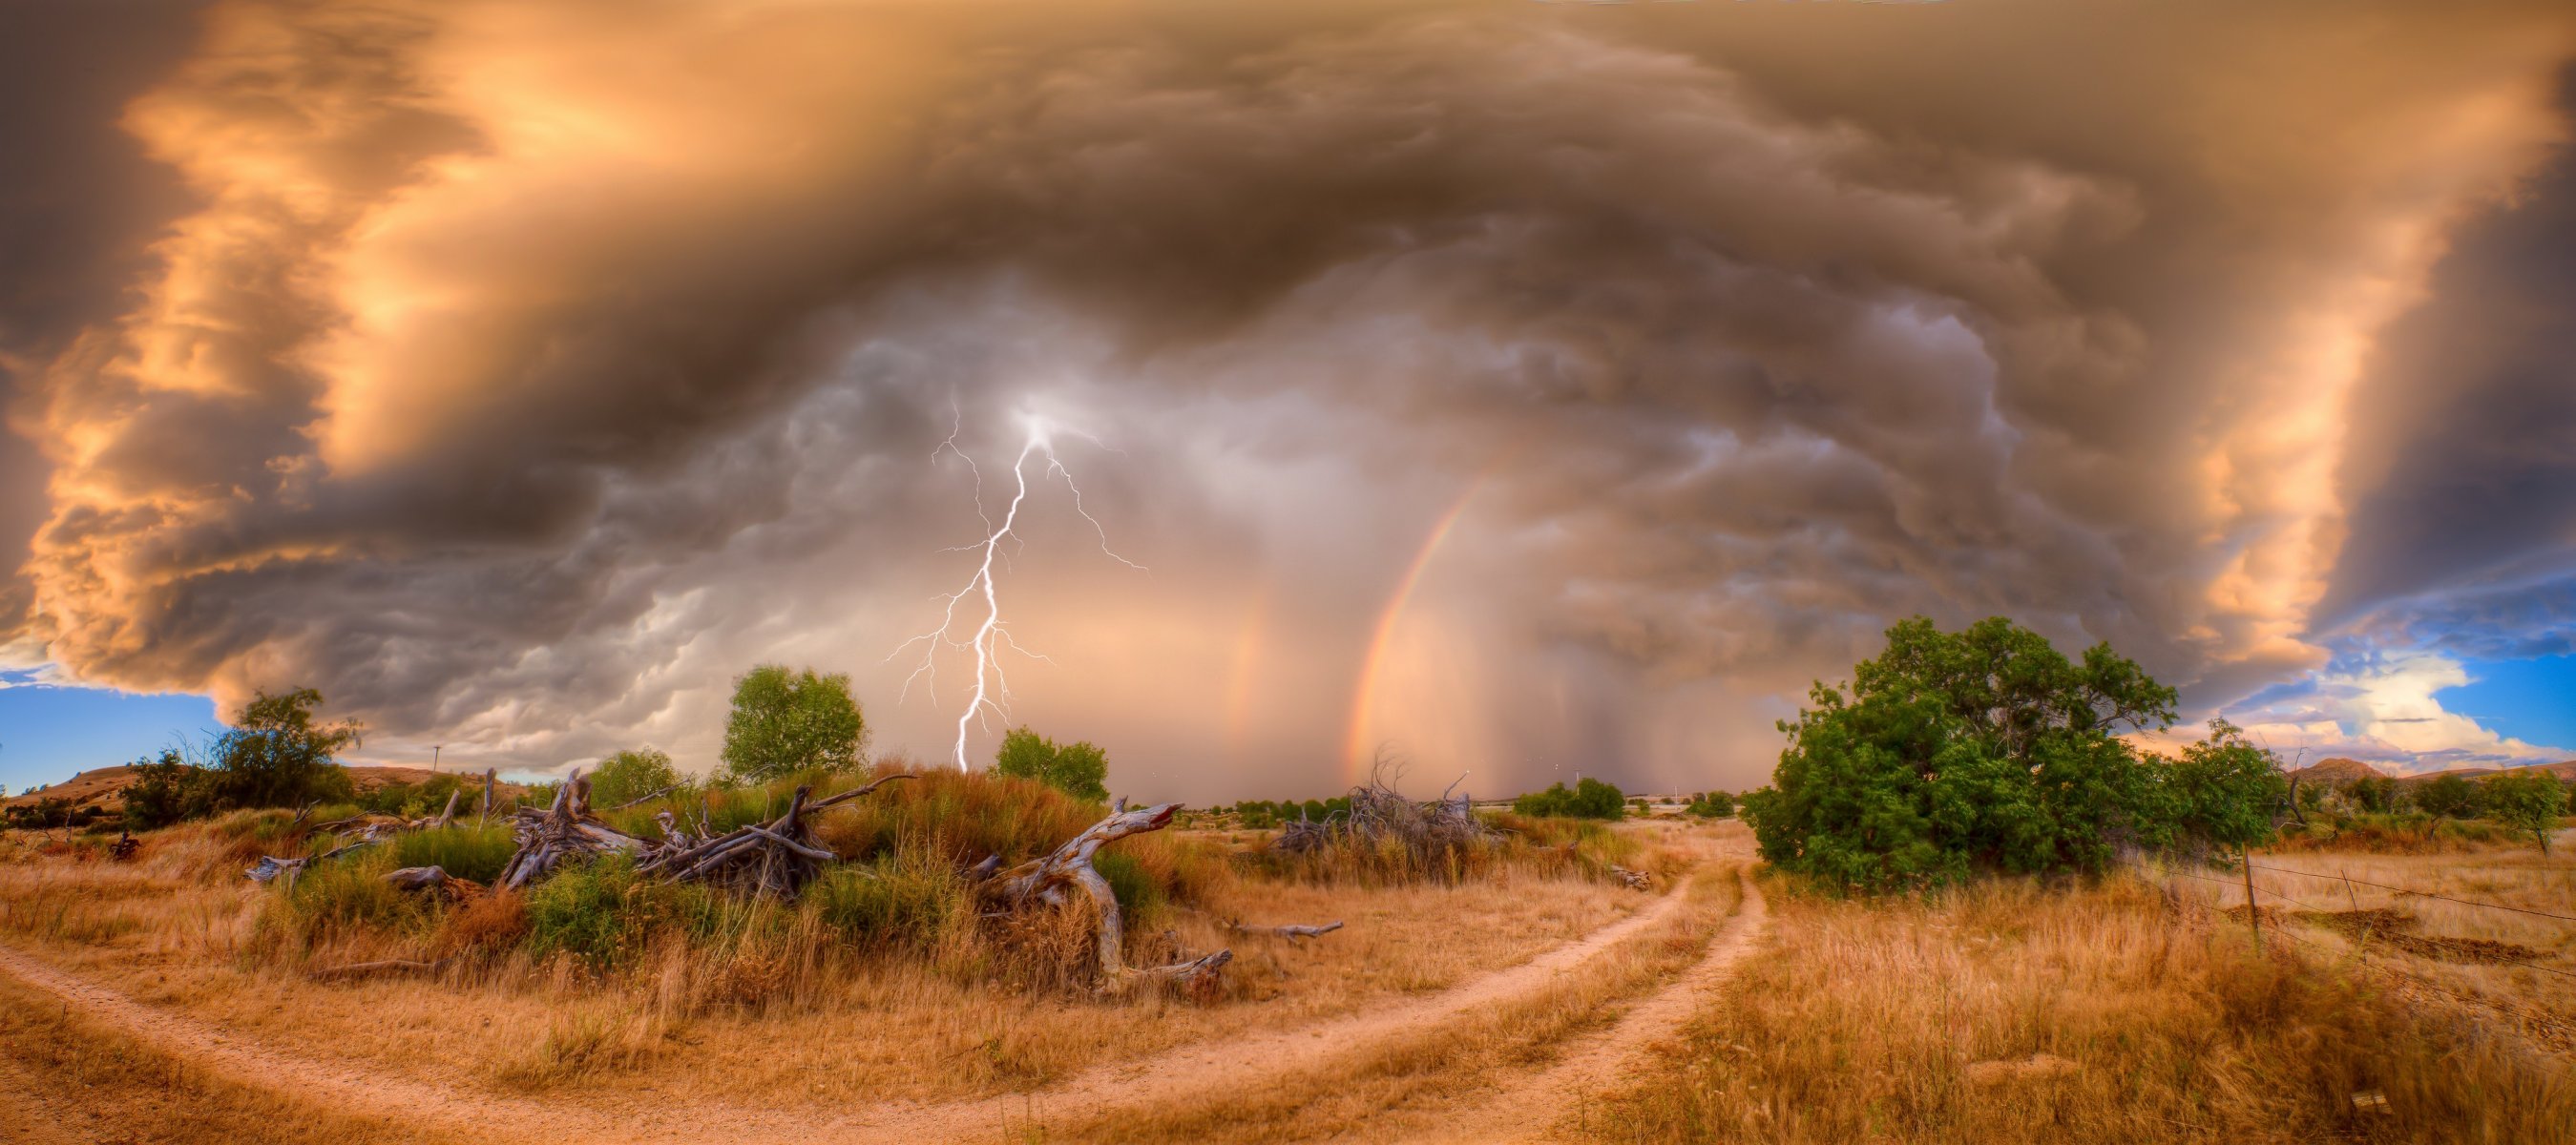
pixel 604 914
pixel 1712 805
pixel 465 851
pixel 1589 799
pixel 904 902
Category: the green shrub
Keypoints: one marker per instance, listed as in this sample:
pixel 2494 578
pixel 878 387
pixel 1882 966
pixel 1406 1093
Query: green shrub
pixel 905 902
pixel 1590 799
pixel 351 891
pixel 600 912
pixel 1712 805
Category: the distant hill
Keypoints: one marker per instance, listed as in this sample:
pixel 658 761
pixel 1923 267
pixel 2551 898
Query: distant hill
pixel 104 787
pixel 2565 771
pixel 2339 771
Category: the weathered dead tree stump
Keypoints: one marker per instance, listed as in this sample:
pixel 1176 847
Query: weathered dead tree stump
pixel 1050 880
pixel 565 830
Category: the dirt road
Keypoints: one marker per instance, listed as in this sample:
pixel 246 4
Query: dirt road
pixel 1197 1071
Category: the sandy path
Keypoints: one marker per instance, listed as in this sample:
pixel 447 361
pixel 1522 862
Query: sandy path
pixel 1606 1060
pixel 1197 1069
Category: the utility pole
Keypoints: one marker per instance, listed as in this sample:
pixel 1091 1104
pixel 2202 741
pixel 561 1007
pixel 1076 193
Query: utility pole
pixel 433 755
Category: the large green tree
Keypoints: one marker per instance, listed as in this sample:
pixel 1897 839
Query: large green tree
pixel 1078 769
pixel 1953 752
pixel 786 722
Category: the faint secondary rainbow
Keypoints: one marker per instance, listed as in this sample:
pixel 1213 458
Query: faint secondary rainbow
pixel 1357 748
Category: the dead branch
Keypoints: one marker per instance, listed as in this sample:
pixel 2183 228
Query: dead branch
pixel 1049 881
pixel 1290 932
pixel 774 859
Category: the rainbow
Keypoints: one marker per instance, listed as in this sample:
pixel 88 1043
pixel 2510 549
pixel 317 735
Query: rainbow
pixel 1358 750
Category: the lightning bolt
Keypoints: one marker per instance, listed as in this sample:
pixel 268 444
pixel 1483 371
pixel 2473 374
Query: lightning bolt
pixel 991 635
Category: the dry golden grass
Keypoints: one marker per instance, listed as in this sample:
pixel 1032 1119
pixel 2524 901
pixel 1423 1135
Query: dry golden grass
pixel 1408 1087
pixel 65 1079
pixel 2303 885
pixel 791 1018
pixel 2012 1012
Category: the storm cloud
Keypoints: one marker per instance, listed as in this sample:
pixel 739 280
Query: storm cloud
pixel 1525 388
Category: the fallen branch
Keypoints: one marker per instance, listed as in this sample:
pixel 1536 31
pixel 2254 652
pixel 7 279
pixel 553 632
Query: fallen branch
pixel 1291 933
pixel 1048 881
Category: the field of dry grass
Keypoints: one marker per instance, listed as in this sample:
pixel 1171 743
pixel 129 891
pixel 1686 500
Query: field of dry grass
pixel 2134 1010
pixel 178 929
pixel 2115 1013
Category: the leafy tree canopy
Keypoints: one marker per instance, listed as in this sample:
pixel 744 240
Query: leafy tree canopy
pixel 631 775
pixel 785 722
pixel 1989 750
pixel 1078 769
pixel 2526 799
pixel 274 755
pixel 2450 796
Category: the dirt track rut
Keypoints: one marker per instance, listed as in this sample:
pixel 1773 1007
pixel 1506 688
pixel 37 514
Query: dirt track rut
pixel 1195 1070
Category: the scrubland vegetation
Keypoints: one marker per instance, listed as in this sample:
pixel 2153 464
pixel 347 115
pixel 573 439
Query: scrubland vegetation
pixel 1989 918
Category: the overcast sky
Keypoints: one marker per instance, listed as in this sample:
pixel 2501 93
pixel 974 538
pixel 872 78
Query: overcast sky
pixel 1521 389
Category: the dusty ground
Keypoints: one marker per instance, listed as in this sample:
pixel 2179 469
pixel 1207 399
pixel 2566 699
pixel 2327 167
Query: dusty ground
pixel 135 963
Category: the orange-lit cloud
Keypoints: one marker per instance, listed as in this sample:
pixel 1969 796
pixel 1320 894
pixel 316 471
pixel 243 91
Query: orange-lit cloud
pixel 518 373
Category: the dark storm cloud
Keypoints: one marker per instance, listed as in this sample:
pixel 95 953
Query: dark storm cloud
pixel 519 395
pixel 2463 471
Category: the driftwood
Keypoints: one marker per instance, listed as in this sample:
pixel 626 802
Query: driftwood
pixel 565 830
pixel 1291 933
pixel 1633 880
pixel 1049 881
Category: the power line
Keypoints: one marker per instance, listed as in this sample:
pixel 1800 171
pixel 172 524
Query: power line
pixel 2278 929
pixel 2413 891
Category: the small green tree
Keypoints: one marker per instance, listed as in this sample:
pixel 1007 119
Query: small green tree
pixel 786 722
pixel 631 775
pixel 2377 794
pixel 2450 796
pixel 2526 799
pixel 1078 769
pixel 166 790
pixel 275 755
